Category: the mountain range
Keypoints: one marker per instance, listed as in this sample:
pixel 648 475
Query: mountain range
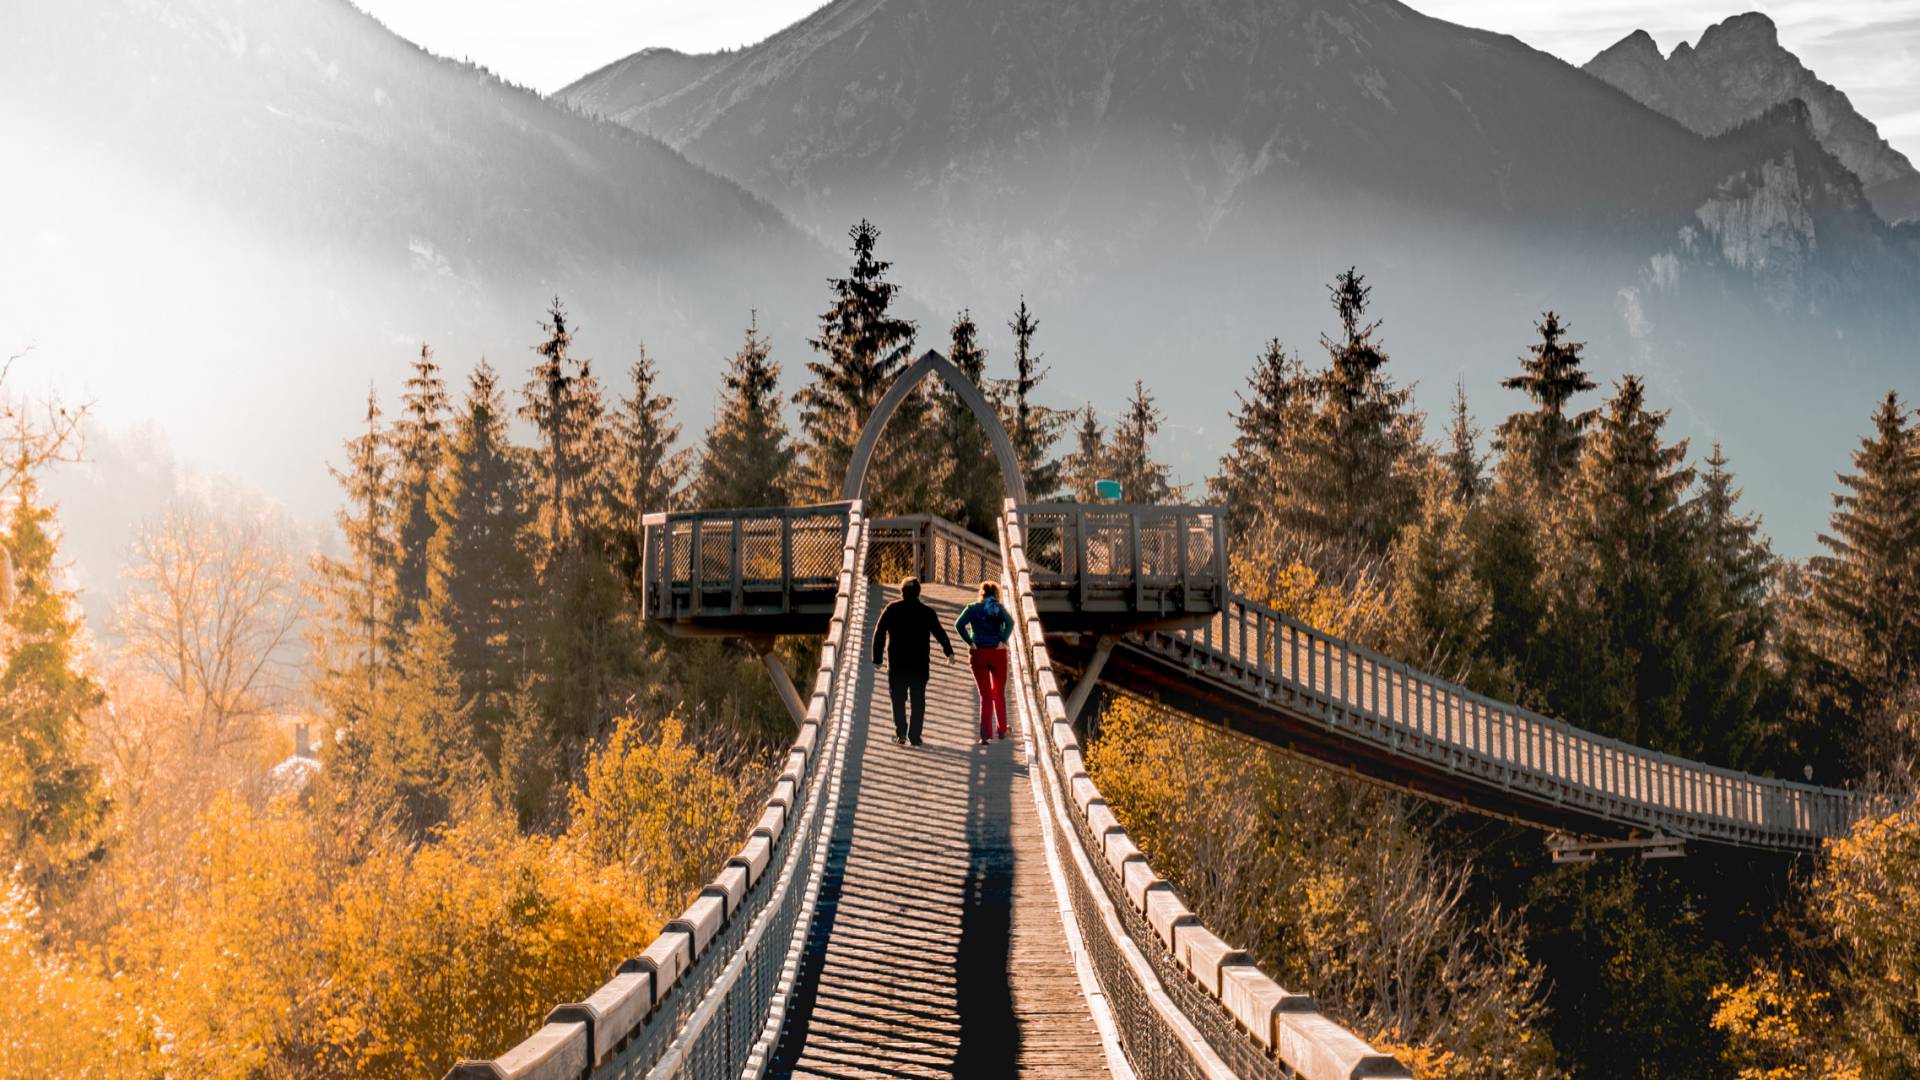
pixel 1170 185
pixel 218 208
pixel 1738 70
pixel 251 211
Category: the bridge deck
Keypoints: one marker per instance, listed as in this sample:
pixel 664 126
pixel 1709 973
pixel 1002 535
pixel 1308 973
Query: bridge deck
pixel 937 948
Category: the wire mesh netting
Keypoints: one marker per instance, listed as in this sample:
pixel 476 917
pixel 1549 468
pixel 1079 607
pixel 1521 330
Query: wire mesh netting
pixel 892 554
pixel 817 546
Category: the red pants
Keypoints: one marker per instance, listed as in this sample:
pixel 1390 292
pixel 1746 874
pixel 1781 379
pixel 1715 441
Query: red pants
pixel 990 671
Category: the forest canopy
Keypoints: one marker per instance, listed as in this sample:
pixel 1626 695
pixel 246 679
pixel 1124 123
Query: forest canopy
pixel 368 806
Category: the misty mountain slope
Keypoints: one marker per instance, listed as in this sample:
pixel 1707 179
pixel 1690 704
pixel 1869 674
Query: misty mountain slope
pixel 1737 71
pixel 308 115
pixel 1044 136
pixel 230 217
pixel 634 81
pixel 1171 184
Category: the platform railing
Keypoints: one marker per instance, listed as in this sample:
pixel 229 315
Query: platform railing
pixel 1184 1003
pixel 930 548
pixel 1121 559
pixel 721 564
pixel 1366 695
pixel 704 999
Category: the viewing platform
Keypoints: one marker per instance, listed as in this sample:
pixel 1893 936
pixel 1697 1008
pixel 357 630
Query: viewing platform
pixel 1102 567
pixel 763 572
pixel 1098 568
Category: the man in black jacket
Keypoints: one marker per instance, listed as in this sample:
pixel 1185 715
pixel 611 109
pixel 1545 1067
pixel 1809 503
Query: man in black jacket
pixel 912 625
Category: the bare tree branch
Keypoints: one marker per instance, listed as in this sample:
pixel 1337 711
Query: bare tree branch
pixel 213 608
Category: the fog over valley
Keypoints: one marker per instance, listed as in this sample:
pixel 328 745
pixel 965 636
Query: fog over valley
pixel 238 217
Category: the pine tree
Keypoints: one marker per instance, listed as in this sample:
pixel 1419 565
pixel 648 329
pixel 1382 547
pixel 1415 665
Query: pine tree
pixel 747 461
pixel 355 637
pixel 1543 446
pixel 970 489
pixel 1142 479
pixel 478 574
pixel 1465 465
pixel 1866 589
pixel 53 807
pixel 527 780
pixel 863 347
pixel 562 401
pixel 1737 553
pixel 1273 419
pixel 414 749
pixel 582 643
pixel 1090 461
pixel 647 471
pixel 1442 609
pixel 1035 429
pixel 1732 628
pixel 1629 585
pixel 1510 552
pixel 419 449
pixel 1359 478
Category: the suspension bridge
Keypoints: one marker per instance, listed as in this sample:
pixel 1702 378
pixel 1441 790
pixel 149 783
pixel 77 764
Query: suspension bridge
pixel 977 910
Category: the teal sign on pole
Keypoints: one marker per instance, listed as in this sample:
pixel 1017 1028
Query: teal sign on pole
pixel 1107 489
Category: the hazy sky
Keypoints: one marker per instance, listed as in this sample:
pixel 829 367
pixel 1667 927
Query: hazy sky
pixel 1868 48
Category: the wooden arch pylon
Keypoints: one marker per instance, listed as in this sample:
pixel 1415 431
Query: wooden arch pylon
pixel 963 387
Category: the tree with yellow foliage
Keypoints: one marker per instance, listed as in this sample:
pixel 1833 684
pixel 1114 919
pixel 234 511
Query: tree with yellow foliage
pixel 660 807
pixel 1851 1007
pixel 1336 890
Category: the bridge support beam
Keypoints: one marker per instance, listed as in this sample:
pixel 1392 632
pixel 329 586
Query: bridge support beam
pixel 1083 689
pixel 1578 849
pixel 782 682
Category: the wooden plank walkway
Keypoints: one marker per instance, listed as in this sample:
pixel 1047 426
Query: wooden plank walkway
pixel 936 948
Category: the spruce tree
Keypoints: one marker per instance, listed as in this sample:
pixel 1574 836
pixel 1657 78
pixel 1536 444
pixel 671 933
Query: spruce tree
pixel 1034 428
pixel 1866 588
pixel 527 778
pixel 1359 479
pixel 413 752
pixel 1628 584
pixel 1539 452
pixel 747 461
pixel 583 646
pixel 1442 610
pixel 479 577
pixel 419 456
pixel 1142 479
pixel 970 489
pixel 1735 701
pixel 1276 410
pixel 1740 560
pixel 647 471
pixel 355 637
pixel 862 347
pixel 1465 465
pixel 53 807
pixel 1090 461
pixel 562 401
pixel 1510 552
pixel 1543 445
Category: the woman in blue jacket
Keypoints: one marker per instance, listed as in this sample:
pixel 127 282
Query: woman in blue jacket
pixel 986 626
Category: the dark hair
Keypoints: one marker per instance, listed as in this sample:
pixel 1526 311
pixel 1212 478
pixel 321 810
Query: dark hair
pixel 988 588
pixel 910 588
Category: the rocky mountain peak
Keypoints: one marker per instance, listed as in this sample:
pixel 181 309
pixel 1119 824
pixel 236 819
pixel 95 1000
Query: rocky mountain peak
pixel 1739 70
pixel 1740 34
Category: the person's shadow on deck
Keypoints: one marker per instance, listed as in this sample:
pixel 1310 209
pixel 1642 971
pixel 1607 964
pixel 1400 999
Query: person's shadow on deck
pixel 989 1036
